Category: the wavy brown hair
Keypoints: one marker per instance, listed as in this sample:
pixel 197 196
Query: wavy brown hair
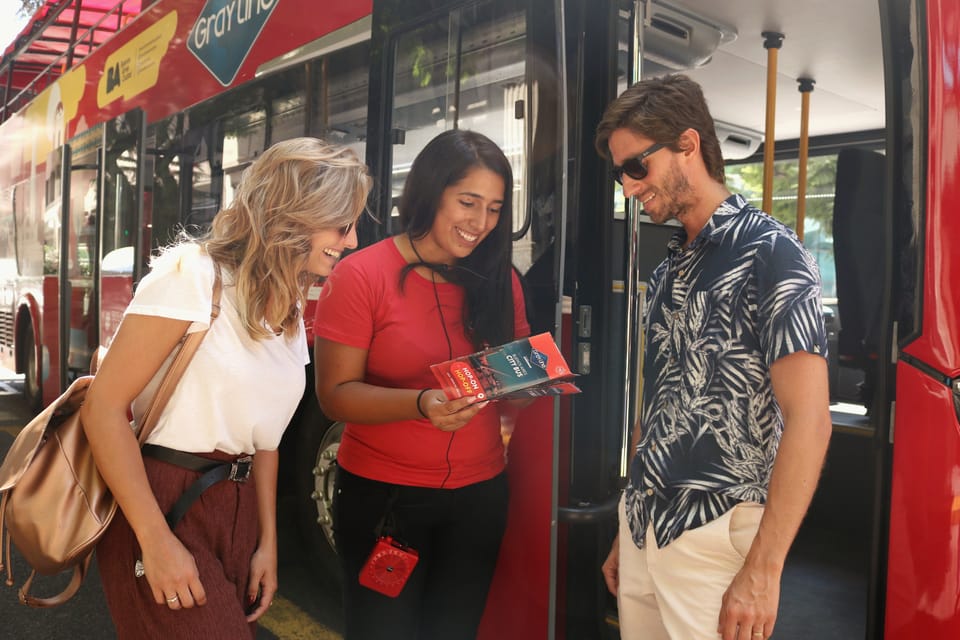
pixel 295 189
pixel 662 109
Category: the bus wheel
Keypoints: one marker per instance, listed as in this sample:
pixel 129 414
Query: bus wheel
pixel 31 380
pixel 316 475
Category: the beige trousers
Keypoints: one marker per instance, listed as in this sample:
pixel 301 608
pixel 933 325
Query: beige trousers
pixel 674 593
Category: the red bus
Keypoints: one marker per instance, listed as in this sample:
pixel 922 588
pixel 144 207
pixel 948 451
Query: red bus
pixel 122 123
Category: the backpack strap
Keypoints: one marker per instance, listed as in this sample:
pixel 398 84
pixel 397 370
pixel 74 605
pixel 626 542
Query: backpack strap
pixel 79 572
pixel 5 541
pixel 190 344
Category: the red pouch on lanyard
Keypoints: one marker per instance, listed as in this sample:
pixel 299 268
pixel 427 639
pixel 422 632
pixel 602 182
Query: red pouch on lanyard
pixel 388 567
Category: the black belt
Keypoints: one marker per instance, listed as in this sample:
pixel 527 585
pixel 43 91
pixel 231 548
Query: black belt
pixel 213 472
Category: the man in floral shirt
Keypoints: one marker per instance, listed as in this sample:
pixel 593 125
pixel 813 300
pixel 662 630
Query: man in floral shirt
pixel 735 419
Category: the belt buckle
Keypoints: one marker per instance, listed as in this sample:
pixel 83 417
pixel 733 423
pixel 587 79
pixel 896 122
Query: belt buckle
pixel 240 469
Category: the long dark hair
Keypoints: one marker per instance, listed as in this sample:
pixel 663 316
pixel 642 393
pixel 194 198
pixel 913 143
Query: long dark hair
pixel 485 274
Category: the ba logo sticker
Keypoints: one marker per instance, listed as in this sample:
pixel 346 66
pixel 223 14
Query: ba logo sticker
pixel 225 32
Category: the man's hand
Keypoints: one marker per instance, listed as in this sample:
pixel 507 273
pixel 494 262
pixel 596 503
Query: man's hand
pixel 611 567
pixel 750 605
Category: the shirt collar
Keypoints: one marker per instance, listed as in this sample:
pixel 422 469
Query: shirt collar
pixel 716 226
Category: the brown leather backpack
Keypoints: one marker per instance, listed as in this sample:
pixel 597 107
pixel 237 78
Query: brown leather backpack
pixel 55 506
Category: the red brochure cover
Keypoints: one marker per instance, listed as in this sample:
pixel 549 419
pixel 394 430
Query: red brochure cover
pixel 527 367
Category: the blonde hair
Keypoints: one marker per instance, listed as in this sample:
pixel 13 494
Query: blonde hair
pixel 296 188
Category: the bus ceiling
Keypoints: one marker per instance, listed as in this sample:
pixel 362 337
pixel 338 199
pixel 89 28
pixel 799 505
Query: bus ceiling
pixel 721 46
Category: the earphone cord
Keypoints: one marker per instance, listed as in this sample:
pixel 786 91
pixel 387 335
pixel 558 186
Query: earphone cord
pixel 443 325
pixel 445 268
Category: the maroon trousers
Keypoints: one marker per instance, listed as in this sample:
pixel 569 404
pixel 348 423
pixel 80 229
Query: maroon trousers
pixel 219 529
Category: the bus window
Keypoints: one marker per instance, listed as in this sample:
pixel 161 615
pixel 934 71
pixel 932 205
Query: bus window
pixel 244 139
pixel 28 248
pixel 202 167
pixel 465 70
pixel 287 106
pixel 51 219
pixel 8 236
pixel 287 116
pixel 81 253
pixel 119 204
pixel 340 99
pixel 162 206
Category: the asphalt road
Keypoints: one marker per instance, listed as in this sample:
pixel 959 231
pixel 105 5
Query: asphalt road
pixel 307 606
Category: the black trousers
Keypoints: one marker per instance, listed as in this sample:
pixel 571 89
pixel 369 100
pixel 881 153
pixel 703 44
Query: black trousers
pixel 457 533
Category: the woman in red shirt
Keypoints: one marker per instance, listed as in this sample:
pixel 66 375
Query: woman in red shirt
pixel 412 464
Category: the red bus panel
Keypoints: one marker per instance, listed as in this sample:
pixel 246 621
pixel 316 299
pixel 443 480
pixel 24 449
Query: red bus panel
pixel 923 580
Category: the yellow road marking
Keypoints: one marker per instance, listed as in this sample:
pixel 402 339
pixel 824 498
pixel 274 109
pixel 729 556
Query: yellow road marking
pixel 286 620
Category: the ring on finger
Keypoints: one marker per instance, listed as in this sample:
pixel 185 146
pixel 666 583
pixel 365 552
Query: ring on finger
pixel 757 634
pixel 173 599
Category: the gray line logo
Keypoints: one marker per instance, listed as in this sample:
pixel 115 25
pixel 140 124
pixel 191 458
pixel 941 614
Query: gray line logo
pixel 225 32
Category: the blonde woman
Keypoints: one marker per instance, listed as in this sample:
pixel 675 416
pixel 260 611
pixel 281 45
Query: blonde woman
pixel 215 572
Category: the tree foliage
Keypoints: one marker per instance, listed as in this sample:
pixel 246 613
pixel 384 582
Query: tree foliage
pixel 747 179
pixel 821 177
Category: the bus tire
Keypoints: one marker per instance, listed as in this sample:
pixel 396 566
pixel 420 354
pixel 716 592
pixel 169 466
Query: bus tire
pixel 316 455
pixel 30 365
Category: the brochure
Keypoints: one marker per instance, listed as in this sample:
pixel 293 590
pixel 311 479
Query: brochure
pixel 527 367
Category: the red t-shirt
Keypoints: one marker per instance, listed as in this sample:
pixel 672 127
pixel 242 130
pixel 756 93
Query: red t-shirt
pixel 361 305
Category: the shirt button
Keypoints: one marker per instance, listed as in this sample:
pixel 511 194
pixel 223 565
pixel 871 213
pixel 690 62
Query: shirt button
pixel 653 446
pixel 681 272
pixel 649 492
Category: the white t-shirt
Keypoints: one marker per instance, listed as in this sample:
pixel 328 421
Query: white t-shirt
pixel 237 394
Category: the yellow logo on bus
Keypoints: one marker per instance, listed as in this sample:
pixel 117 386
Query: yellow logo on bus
pixel 53 109
pixel 135 67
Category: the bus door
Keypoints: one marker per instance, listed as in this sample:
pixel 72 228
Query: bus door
pixel 69 242
pixel 78 322
pixel 55 298
pixel 476 66
pixel 922 560
pixel 123 225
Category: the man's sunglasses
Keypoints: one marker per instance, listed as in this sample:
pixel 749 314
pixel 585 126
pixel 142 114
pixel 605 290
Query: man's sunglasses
pixel 634 167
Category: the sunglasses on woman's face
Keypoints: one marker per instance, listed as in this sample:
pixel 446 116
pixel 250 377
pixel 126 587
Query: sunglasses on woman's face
pixel 634 167
pixel 345 230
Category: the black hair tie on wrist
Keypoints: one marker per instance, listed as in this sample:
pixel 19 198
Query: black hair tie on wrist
pixel 419 409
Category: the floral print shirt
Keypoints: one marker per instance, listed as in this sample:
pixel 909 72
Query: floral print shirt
pixel 744 293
